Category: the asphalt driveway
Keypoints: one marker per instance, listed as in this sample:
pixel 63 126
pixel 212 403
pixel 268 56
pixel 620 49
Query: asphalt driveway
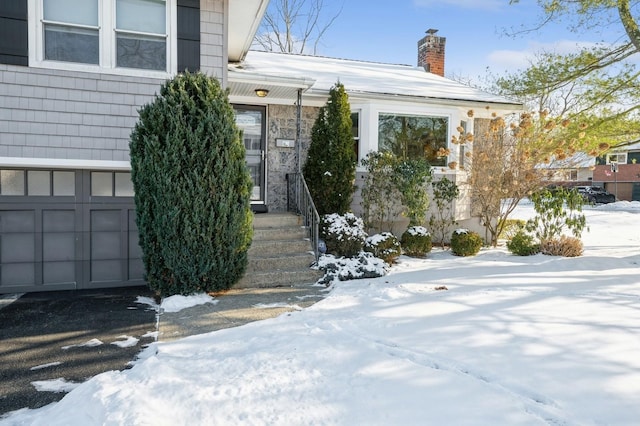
pixel 70 335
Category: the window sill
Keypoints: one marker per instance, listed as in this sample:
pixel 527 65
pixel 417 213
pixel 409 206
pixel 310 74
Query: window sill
pixel 96 69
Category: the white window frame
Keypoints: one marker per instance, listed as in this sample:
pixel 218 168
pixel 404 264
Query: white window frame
pixel 357 139
pixel 370 111
pixel 411 112
pixel 621 158
pixel 107 43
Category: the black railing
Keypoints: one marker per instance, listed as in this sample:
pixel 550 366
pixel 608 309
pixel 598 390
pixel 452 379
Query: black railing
pixel 300 202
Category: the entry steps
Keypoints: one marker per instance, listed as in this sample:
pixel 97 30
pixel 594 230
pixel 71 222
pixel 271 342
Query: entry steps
pixel 280 254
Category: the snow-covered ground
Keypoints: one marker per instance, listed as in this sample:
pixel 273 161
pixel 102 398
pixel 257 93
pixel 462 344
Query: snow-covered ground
pixel 508 341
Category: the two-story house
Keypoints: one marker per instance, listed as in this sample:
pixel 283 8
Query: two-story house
pixel 73 74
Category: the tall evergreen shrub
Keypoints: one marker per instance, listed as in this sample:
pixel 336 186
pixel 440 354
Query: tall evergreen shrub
pixel 330 168
pixel 192 188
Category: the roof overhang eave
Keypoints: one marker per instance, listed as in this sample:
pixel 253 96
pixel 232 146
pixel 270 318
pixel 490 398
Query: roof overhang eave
pixel 263 79
pixel 426 99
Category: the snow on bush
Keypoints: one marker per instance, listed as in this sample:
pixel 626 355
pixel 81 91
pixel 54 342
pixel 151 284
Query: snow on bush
pixel 416 241
pixel 365 265
pixel 419 231
pixel 344 235
pixel 385 246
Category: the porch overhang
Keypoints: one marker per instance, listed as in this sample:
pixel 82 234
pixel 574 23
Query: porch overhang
pixel 243 86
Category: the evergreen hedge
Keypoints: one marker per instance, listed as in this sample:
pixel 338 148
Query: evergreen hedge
pixel 192 188
pixel 330 168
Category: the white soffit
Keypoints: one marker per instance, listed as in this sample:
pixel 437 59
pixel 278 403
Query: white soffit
pixel 244 19
pixel 244 84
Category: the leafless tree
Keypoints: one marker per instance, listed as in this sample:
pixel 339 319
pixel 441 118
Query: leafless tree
pixel 294 26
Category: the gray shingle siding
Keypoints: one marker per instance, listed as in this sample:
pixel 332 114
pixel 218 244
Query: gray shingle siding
pixel 56 114
pixel 69 115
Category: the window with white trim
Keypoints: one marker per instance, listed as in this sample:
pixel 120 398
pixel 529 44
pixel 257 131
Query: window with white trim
pixel 414 136
pixel 355 130
pixel 617 158
pixel 94 35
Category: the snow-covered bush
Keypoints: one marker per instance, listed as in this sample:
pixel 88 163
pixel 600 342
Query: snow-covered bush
pixel 523 244
pixel 385 246
pixel 365 265
pixel 344 235
pixel 416 241
pixel 465 242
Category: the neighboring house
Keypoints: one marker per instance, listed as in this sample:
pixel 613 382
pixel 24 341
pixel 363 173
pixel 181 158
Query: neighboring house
pixel 619 172
pixel 574 171
pixel 383 98
pixel 73 74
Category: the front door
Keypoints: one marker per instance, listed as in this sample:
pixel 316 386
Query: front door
pixel 251 121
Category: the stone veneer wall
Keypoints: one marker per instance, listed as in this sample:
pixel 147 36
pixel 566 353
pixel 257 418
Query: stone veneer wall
pixel 280 161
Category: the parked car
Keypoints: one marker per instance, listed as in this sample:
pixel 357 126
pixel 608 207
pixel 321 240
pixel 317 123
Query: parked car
pixel 596 194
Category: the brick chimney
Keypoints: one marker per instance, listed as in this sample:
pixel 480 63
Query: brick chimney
pixel 431 52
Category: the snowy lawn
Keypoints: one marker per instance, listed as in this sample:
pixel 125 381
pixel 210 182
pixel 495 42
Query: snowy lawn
pixel 511 341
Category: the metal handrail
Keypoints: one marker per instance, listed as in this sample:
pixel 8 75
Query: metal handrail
pixel 300 202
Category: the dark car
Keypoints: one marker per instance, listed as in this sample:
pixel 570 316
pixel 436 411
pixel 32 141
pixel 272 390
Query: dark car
pixel 596 195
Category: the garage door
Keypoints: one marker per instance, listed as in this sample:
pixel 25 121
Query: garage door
pixel 66 230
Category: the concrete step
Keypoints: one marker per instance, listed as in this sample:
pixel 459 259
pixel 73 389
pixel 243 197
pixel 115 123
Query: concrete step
pixel 296 261
pixel 280 254
pixel 267 248
pixel 276 220
pixel 279 279
pixel 285 233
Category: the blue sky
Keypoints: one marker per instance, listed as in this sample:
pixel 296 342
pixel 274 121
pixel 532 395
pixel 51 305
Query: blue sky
pixel 388 31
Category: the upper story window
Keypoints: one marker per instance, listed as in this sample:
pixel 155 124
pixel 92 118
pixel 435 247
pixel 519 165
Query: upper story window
pixel 414 136
pixel 617 158
pixel 71 31
pixel 93 35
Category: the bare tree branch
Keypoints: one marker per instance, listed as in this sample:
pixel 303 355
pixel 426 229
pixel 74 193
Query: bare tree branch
pixel 294 26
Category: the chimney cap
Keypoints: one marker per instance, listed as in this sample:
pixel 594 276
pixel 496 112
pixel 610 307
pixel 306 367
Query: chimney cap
pixel 431 31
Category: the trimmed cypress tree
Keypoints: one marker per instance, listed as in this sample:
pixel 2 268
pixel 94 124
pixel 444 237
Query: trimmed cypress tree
pixel 330 168
pixel 192 188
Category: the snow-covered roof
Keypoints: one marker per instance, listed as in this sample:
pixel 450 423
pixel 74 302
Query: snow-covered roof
pixel 367 78
pixel 627 147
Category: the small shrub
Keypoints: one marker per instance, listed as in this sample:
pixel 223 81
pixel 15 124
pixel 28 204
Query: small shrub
pixel 465 242
pixel 557 210
pixel 510 228
pixel 523 244
pixel 365 265
pixel 564 246
pixel 416 241
pixel 445 192
pixel 344 235
pixel 384 246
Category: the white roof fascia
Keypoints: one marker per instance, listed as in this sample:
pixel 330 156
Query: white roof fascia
pixel 360 95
